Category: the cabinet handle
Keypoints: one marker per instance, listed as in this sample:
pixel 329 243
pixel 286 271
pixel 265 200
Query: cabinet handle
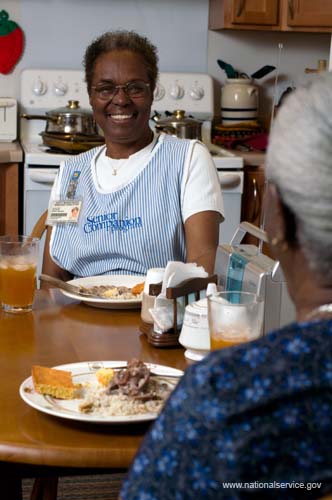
pixel 240 8
pixel 257 200
pixel 291 8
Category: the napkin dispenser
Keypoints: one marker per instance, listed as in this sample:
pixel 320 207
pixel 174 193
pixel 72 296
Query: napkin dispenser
pixel 8 119
pixel 245 268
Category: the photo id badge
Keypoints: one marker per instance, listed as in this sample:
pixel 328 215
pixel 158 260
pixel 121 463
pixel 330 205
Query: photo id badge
pixel 64 211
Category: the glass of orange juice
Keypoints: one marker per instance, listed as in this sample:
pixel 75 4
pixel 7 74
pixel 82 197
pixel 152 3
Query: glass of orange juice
pixel 18 269
pixel 234 317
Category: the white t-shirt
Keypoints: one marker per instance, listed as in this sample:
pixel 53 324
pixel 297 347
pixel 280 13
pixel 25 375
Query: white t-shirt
pixel 200 188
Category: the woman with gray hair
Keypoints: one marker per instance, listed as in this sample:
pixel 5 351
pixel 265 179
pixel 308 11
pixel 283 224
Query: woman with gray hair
pixel 299 211
pixel 255 420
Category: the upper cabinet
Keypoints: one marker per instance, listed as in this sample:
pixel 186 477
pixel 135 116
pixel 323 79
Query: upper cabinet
pixel 272 15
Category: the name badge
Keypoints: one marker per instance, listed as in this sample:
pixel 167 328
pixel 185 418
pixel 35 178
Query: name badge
pixel 64 211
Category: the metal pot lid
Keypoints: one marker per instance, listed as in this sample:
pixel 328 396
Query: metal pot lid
pixel 72 108
pixel 179 118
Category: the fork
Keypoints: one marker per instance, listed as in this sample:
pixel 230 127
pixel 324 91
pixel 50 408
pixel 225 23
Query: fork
pixel 68 287
pixel 154 370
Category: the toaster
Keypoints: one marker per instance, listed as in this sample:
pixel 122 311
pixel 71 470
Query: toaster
pixel 242 267
pixel 8 119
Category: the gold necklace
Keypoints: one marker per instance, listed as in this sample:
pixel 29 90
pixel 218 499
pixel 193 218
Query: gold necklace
pixel 115 168
pixel 325 310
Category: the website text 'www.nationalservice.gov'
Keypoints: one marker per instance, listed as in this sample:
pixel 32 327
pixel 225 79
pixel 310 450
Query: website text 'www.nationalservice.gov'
pixel 261 485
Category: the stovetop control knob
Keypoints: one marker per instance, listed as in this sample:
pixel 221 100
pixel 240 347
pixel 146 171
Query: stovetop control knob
pixel 159 92
pixel 60 88
pixel 196 93
pixel 176 91
pixel 39 87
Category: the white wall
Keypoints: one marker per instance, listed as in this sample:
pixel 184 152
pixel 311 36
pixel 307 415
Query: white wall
pixel 58 31
pixel 248 51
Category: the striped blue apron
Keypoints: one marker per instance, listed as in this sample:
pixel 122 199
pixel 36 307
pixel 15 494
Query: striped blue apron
pixel 130 230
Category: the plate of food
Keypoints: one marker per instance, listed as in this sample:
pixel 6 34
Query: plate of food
pixel 106 392
pixel 111 291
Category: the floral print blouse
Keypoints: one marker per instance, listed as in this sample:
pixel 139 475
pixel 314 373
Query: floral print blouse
pixel 259 414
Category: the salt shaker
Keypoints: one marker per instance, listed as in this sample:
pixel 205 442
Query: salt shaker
pixel 153 277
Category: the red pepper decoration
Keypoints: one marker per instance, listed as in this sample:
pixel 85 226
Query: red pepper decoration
pixel 11 43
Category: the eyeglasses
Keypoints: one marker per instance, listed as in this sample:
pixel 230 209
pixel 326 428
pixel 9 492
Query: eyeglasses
pixel 134 90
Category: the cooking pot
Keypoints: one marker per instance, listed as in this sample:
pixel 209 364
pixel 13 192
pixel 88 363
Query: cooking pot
pixel 70 119
pixel 179 125
pixel 71 143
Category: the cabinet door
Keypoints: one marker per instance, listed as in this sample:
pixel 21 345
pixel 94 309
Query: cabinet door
pixel 313 13
pixel 252 202
pixel 9 198
pixel 262 12
pixel 244 14
pixel 253 193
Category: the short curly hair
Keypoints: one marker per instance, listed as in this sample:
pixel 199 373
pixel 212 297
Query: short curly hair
pixel 121 40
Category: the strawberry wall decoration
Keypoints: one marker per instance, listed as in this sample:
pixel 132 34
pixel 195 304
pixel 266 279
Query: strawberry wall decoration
pixel 11 43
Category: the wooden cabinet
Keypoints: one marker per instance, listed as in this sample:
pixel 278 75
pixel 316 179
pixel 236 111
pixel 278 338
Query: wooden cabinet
pixel 253 194
pixel 272 15
pixel 9 198
pixel 243 13
pixel 252 201
pixel 310 13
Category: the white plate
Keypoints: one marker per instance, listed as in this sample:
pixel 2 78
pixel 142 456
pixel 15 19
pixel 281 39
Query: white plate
pixel 84 372
pixel 116 280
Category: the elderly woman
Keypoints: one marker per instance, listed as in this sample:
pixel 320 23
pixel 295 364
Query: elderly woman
pixel 145 199
pixel 255 420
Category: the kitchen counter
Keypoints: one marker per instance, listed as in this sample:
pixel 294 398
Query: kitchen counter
pixel 10 152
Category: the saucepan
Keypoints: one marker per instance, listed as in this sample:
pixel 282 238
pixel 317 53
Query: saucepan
pixel 71 143
pixel 179 125
pixel 70 119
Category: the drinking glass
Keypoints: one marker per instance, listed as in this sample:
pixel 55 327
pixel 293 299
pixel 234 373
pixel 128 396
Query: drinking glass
pixel 234 317
pixel 18 269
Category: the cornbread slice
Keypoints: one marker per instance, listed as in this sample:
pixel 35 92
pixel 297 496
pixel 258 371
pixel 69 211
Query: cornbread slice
pixel 104 376
pixel 53 382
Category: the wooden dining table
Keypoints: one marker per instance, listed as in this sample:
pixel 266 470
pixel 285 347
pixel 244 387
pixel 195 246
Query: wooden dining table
pixel 58 331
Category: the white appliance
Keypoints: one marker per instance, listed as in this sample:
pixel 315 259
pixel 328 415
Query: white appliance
pixel 8 119
pixel 243 267
pixel 42 90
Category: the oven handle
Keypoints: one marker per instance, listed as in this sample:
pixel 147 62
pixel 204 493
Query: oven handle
pixel 42 177
pixel 229 180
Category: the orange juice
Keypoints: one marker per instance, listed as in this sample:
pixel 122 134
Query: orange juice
pixel 18 282
pixel 220 343
pixel 228 338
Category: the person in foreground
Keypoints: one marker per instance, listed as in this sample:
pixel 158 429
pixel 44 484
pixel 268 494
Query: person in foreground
pixel 260 413
pixel 146 199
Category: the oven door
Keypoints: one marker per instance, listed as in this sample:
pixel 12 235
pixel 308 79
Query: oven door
pixel 231 183
pixel 38 182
